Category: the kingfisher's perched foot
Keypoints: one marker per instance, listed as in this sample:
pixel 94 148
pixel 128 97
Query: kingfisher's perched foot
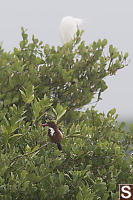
pixel 54 133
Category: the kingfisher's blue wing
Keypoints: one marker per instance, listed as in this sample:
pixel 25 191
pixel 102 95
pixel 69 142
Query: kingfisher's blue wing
pixel 60 130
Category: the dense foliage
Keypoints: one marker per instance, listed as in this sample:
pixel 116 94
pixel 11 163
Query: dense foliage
pixel 39 83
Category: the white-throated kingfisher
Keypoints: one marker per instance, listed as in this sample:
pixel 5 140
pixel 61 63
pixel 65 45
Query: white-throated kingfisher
pixel 54 133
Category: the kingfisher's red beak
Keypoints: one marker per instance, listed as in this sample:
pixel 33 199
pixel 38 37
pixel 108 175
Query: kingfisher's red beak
pixel 44 124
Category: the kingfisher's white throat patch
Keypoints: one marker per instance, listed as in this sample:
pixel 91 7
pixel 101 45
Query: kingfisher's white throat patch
pixel 51 131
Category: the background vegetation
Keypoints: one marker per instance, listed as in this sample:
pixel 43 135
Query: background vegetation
pixel 39 83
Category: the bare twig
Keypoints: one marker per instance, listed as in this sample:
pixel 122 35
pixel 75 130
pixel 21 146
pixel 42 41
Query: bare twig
pixel 27 154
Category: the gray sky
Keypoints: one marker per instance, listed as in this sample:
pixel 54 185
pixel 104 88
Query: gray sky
pixel 104 19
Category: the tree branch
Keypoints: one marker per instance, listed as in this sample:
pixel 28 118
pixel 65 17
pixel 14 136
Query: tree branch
pixel 27 154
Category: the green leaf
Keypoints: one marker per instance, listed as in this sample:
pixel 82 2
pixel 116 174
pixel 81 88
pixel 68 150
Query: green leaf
pixel 27 148
pixel 126 55
pixel 55 112
pixel 111 112
pixel 111 49
pixel 30 99
pixel 12 176
pixel 28 95
pixel 105 196
pixel 122 125
pixel 101 187
pixel 99 43
pixel 79 196
pixel 61 177
pixel 21 119
pixel 47 102
pixel 22 44
pixel 60 111
pixel 112 185
pixel 14 137
pixel 24 174
pixel 25 185
pixel 22 93
pixel 35 148
pixel 66 189
pixel 16 51
pixel 131 128
pixel 104 43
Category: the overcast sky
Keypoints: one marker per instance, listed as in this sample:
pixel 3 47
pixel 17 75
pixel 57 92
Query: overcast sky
pixel 110 19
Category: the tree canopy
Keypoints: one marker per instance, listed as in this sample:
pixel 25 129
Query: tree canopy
pixel 39 83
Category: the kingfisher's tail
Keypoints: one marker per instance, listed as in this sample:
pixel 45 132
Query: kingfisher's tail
pixel 59 147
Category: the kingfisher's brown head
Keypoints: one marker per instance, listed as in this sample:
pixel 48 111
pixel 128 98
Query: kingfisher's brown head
pixel 50 124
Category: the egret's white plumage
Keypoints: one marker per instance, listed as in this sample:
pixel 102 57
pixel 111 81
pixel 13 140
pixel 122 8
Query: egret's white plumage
pixel 68 28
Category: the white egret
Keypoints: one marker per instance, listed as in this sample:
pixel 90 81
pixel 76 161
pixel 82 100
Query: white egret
pixel 68 28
